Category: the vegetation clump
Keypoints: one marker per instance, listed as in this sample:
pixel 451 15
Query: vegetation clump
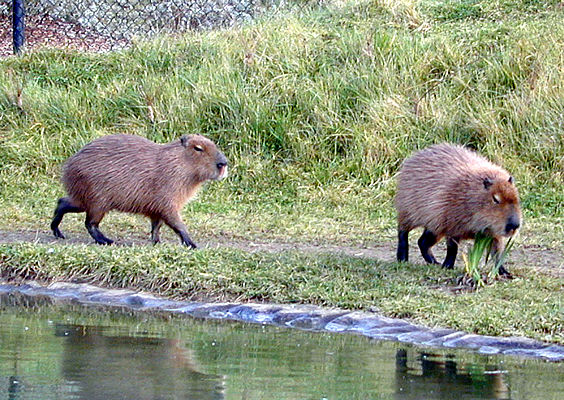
pixel 475 261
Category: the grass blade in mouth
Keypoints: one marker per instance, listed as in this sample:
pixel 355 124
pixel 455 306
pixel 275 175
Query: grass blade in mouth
pixel 483 244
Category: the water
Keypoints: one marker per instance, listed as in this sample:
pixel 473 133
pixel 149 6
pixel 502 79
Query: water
pixel 64 351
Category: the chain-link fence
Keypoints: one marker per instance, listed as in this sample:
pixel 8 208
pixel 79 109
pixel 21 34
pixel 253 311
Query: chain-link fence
pixel 101 25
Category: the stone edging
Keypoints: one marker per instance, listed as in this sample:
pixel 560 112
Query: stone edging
pixel 304 317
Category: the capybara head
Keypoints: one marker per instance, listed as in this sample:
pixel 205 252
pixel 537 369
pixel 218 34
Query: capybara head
pixel 500 212
pixel 203 155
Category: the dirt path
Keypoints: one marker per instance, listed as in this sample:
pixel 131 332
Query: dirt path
pixel 543 260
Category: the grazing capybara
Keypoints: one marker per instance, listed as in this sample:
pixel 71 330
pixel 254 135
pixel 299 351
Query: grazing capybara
pixel 455 193
pixel 132 174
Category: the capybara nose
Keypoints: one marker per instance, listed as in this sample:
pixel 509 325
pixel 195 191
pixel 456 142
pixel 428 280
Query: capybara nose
pixel 512 225
pixel 221 164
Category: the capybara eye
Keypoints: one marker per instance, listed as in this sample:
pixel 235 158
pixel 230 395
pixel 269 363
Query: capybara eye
pixel 496 199
pixel 487 183
pixel 198 148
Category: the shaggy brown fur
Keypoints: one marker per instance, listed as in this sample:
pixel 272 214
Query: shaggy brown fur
pixel 132 174
pixel 453 192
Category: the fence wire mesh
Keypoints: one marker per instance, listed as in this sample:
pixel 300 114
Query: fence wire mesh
pixel 103 25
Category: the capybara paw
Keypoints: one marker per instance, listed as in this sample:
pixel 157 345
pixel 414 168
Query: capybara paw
pixel 58 234
pixel 505 273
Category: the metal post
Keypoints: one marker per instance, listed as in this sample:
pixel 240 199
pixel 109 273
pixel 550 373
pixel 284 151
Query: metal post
pixel 18 25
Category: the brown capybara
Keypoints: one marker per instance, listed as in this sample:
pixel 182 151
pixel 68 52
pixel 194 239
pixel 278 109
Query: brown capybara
pixel 455 193
pixel 132 174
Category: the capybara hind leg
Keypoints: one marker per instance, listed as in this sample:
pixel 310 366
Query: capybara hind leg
pixel 64 205
pixel 176 224
pixel 403 246
pixel 92 221
pixel 425 242
pixel 156 224
pixel 452 251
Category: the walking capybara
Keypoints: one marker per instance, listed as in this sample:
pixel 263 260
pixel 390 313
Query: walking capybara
pixel 132 174
pixel 455 193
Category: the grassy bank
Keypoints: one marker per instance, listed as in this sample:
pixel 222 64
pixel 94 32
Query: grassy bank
pixel 315 111
pixel 418 293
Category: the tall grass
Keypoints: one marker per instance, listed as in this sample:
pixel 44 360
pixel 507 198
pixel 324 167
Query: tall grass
pixel 309 107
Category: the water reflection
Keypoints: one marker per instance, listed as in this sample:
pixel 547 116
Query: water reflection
pixel 111 367
pixel 14 387
pixel 68 351
pixel 440 377
pixel 19 300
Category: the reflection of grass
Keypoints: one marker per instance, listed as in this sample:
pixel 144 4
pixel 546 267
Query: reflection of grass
pixel 472 260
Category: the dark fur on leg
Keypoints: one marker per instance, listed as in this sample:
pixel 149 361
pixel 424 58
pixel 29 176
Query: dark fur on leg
pixel 452 251
pixel 64 205
pixel 425 242
pixel 403 246
pixel 504 272
pixel 156 223
pixel 496 252
pixel 176 224
pixel 91 223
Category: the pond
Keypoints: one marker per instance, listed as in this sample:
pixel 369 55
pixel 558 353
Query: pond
pixel 60 350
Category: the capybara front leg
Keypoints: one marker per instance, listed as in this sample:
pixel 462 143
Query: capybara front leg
pixel 156 223
pixel 496 252
pixel 425 242
pixel 64 205
pixel 92 221
pixel 403 246
pixel 176 224
pixel 452 251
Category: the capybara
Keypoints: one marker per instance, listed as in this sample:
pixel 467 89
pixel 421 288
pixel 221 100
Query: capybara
pixel 132 174
pixel 455 193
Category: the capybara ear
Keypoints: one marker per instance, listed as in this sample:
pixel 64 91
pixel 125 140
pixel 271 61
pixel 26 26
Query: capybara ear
pixel 510 180
pixel 184 140
pixel 487 183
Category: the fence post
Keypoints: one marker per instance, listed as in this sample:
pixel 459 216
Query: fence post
pixel 18 25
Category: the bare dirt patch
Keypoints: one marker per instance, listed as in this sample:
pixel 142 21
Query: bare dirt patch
pixel 541 259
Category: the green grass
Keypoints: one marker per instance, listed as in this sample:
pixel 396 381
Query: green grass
pixel 316 111
pixel 529 306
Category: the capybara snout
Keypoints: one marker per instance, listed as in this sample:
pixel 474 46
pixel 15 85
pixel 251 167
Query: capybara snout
pixel 455 193
pixel 132 174
pixel 513 223
pixel 221 165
